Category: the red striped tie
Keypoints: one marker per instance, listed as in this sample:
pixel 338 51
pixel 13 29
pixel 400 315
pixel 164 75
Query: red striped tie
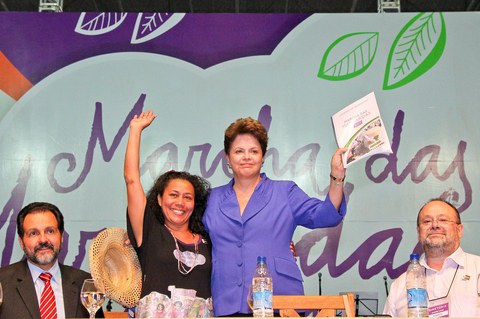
pixel 48 307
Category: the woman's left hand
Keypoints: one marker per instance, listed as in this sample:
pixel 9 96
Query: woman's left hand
pixel 336 165
pixel 337 178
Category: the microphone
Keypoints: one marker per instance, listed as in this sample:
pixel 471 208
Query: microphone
pixel 319 283
pixel 109 305
pixel 357 304
pixel 386 284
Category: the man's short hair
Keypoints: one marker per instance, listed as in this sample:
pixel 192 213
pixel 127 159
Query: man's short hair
pixel 38 207
pixel 438 199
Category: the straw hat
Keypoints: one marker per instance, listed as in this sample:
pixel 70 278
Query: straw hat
pixel 116 265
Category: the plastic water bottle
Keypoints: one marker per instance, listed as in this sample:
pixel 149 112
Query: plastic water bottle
pixel 262 290
pixel 416 289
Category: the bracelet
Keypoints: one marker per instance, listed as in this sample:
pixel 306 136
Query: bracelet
pixel 337 180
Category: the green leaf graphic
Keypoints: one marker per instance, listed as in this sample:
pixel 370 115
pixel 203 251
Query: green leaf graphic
pixel 349 56
pixel 417 48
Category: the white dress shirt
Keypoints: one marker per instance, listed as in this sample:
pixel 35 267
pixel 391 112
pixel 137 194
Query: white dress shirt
pixel 55 282
pixel 458 287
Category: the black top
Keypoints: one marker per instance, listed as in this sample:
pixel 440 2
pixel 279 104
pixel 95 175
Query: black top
pixel 159 264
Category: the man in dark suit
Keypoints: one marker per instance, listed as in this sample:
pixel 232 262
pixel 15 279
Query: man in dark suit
pixel 40 229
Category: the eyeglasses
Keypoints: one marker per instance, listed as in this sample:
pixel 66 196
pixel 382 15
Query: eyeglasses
pixel 448 292
pixel 441 221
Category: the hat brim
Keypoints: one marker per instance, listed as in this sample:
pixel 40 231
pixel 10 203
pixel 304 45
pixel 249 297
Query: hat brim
pixel 116 265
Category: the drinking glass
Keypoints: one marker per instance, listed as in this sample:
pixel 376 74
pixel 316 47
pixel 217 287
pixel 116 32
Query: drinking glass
pixel 92 296
pixel 1 295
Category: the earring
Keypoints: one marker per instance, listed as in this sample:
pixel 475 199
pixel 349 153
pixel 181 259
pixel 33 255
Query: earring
pixel 228 164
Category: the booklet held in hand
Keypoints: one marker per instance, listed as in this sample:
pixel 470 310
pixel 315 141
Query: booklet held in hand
pixel 359 128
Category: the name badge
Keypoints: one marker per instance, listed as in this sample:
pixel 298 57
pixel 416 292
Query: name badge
pixel 438 309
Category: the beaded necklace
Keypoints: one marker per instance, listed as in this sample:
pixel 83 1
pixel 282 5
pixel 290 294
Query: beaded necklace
pixel 181 266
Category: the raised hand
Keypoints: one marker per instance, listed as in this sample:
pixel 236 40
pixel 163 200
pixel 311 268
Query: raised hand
pixel 131 170
pixel 336 164
pixel 143 120
pixel 337 178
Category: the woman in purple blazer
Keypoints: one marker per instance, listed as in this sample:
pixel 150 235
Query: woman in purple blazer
pixel 255 216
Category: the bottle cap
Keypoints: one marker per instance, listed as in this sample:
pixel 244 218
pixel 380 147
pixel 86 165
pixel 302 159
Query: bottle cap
pixel 414 256
pixel 261 260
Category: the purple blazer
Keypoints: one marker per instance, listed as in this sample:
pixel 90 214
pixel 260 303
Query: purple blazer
pixel 266 228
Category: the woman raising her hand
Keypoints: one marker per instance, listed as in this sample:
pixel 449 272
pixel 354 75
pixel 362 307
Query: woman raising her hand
pixel 165 225
pixel 254 216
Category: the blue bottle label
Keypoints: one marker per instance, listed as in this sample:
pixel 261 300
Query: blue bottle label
pixel 417 297
pixel 262 299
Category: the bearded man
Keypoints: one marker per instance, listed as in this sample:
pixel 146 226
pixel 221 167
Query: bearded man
pixel 39 286
pixel 451 273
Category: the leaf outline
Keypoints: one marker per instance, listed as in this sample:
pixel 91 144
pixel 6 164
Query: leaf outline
pixel 109 21
pixel 322 72
pixel 428 62
pixel 162 28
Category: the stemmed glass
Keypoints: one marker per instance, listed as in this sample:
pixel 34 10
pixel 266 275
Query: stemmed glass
pixel 92 296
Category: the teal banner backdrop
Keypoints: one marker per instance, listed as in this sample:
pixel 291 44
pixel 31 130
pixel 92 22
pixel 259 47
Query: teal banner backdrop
pixel 71 82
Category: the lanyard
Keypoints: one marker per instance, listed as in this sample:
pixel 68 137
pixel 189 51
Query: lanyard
pixel 453 279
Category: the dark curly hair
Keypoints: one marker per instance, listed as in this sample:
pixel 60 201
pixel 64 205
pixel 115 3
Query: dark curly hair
pixel 246 125
pixel 201 188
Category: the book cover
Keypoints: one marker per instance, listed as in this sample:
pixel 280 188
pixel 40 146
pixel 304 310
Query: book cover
pixel 359 128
